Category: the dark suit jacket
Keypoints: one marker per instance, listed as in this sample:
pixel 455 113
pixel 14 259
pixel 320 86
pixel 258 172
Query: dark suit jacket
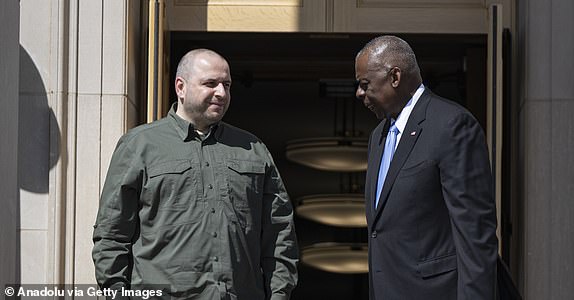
pixel 433 235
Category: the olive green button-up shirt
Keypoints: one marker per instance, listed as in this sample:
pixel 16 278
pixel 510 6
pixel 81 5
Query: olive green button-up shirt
pixel 208 217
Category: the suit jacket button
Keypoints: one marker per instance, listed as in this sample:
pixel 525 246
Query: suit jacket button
pixel 374 234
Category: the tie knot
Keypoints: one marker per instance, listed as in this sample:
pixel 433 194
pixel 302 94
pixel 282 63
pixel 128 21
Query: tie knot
pixel 393 128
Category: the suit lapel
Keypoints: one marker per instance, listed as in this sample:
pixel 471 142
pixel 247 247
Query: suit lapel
pixel 408 139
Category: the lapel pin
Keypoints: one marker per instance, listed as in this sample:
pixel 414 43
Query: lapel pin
pixel 413 133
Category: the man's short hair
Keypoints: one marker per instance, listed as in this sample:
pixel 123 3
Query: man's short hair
pixel 390 51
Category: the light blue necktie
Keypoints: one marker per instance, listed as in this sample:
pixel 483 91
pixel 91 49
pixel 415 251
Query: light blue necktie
pixel 386 159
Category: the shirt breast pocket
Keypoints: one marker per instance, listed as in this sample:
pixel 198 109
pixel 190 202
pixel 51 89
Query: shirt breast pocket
pixel 171 185
pixel 245 180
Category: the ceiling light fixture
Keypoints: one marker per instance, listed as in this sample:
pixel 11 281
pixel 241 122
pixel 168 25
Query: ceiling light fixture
pixel 343 152
pixel 343 258
pixel 343 210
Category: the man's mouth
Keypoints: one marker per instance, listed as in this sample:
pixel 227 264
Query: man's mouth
pixel 221 104
pixel 370 107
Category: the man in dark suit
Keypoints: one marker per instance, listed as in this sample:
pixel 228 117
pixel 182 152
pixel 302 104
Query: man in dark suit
pixel 429 193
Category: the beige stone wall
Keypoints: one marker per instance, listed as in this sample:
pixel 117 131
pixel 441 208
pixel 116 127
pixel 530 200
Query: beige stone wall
pixel 105 108
pixel 76 101
pixel 37 94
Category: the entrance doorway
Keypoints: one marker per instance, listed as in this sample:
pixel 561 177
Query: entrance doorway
pixel 276 94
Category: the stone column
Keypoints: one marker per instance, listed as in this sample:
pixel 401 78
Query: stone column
pixel 107 104
pixel 546 57
pixel 10 212
pixel 80 65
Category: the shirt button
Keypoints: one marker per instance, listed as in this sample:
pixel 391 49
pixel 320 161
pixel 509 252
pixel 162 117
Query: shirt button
pixel 214 234
pixel 374 234
pixel 212 210
pixel 215 258
pixel 210 186
pixel 207 164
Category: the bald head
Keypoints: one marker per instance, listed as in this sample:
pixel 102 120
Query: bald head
pixel 390 51
pixel 186 64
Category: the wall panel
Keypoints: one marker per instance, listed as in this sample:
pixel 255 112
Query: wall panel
pixel 249 15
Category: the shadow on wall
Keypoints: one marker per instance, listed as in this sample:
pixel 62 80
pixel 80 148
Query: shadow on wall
pixel 38 130
pixel 38 152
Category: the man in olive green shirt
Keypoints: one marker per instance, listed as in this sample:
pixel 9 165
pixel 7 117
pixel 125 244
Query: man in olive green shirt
pixel 196 204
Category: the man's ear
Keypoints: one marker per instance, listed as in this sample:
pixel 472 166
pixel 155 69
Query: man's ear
pixel 180 87
pixel 395 77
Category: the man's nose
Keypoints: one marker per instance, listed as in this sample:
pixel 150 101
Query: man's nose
pixel 220 90
pixel 359 93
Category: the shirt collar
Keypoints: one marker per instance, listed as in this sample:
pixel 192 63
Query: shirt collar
pixel 403 117
pixel 186 130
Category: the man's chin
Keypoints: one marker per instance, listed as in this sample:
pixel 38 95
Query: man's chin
pixel 214 118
